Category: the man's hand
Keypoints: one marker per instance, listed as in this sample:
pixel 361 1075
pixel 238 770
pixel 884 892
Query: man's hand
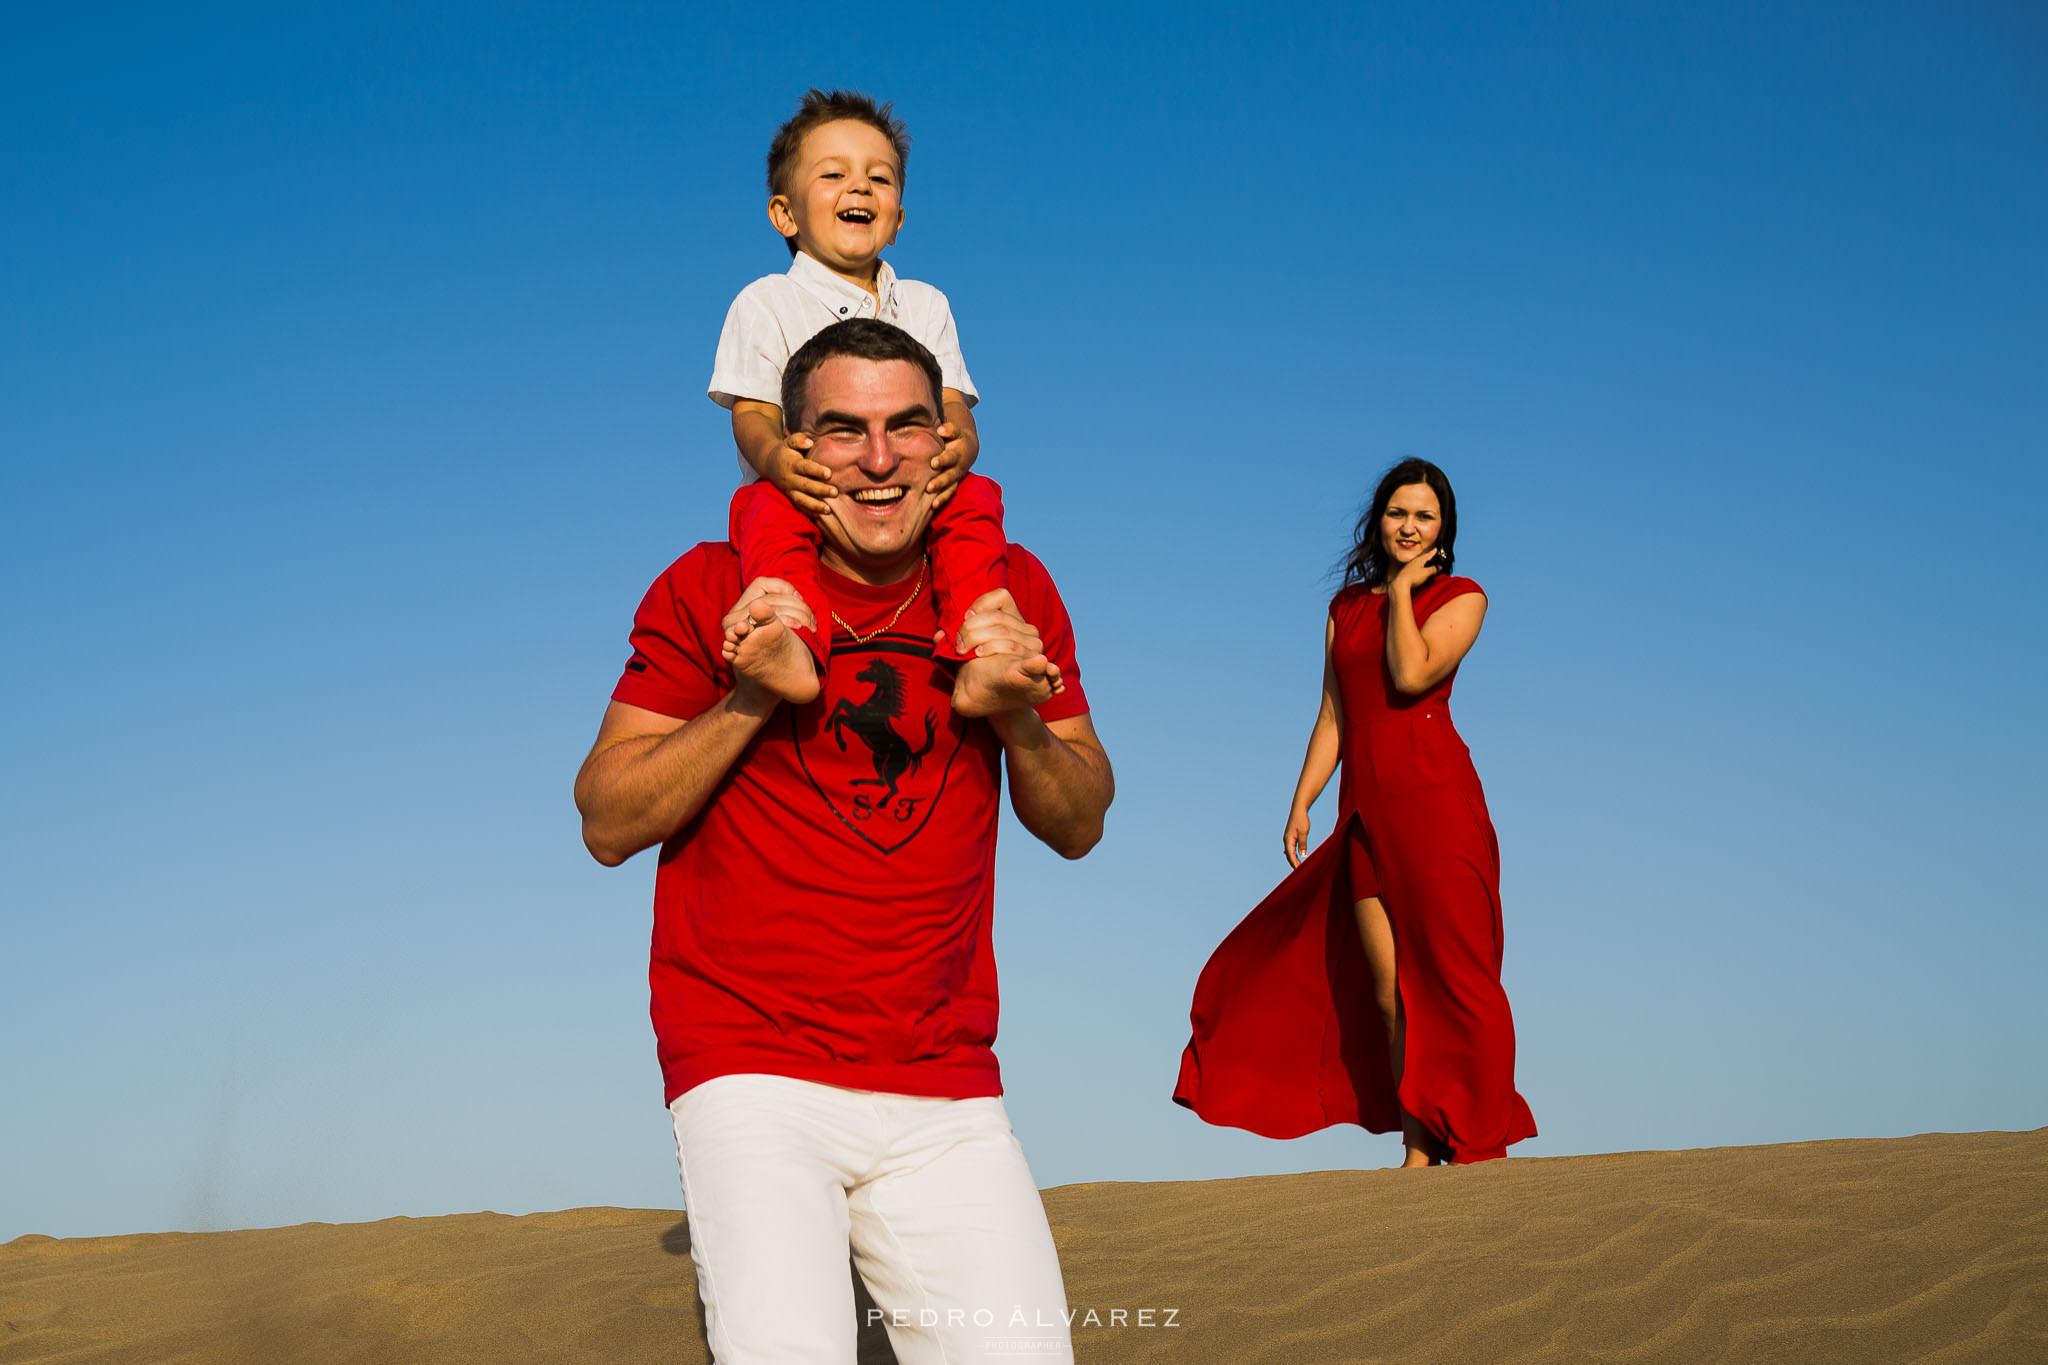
pixel 789 466
pixel 1007 669
pixel 769 663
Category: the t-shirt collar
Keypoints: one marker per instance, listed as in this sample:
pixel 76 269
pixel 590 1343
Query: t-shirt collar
pixel 849 588
pixel 845 298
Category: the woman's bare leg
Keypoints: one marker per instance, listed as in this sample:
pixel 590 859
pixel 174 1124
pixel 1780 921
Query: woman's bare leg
pixel 1377 934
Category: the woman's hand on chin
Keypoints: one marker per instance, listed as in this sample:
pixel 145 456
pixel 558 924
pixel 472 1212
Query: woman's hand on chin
pixel 1415 572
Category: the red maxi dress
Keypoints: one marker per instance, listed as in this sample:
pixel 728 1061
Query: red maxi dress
pixel 1287 1038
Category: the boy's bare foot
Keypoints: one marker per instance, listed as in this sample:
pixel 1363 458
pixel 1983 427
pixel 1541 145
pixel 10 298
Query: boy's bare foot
pixel 1059 684
pixel 768 654
pixel 738 630
pixel 734 633
pixel 1003 682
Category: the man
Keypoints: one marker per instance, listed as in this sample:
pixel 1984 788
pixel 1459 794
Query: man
pixel 824 993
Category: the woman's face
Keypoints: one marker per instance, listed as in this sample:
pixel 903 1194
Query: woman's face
pixel 1412 522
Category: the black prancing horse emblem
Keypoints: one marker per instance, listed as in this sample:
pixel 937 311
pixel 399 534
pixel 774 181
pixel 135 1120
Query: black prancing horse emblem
pixel 871 722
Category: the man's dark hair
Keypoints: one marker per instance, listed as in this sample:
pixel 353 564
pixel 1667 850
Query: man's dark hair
pixel 818 108
pixel 1367 562
pixel 862 339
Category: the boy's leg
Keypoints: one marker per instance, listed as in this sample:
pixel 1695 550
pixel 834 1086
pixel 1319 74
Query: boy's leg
pixel 951 1238
pixel 765 1163
pixel 968 555
pixel 774 540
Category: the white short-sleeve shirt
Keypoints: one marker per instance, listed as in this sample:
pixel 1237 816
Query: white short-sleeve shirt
pixel 776 314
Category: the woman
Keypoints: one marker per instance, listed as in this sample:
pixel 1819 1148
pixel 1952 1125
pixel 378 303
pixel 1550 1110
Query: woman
pixel 1366 988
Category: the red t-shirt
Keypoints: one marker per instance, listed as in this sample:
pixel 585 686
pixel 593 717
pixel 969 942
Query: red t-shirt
pixel 827 914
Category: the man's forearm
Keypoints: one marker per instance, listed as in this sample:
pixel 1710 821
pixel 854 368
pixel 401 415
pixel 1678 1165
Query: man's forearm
pixel 1060 786
pixel 635 790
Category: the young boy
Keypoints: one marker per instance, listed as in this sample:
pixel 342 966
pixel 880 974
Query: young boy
pixel 835 193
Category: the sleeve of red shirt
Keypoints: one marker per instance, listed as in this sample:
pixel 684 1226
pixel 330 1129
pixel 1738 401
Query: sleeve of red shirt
pixel 1038 601
pixel 676 668
pixel 1442 590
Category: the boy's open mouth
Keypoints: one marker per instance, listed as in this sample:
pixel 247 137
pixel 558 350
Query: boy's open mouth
pixel 856 216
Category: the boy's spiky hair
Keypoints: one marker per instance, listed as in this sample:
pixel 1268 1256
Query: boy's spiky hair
pixel 818 108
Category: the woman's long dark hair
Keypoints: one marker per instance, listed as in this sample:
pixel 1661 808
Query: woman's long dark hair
pixel 1367 562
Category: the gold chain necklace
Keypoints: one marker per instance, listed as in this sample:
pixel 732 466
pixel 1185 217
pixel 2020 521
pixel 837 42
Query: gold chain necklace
pixel 861 639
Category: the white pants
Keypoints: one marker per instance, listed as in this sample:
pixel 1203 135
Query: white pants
pixel 781 1177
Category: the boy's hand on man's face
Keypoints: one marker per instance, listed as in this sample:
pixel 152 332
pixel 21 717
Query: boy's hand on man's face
pixel 791 468
pixel 951 464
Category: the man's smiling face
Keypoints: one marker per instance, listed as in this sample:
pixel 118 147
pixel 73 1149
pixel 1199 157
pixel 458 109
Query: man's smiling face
pixel 874 425
pixel 845 202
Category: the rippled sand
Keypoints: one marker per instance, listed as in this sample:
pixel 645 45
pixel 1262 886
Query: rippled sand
pixel 1929 1248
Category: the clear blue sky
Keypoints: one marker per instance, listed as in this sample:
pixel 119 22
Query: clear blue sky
pixel 351 391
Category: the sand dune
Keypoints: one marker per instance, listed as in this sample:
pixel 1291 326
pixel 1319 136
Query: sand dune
pixel 1930 1248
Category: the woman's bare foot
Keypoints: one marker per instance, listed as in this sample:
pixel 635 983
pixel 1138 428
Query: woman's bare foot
pixel 1420 1146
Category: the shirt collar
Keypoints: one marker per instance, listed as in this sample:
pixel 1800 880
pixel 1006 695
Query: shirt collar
pixel 845 298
